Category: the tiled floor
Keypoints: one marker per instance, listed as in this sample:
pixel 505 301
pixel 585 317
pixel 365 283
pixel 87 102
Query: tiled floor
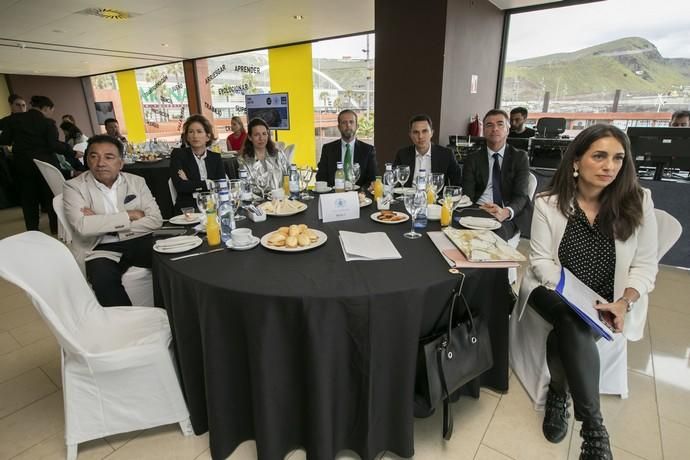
pixel 654 423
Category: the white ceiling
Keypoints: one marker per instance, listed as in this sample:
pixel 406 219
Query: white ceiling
pixel 49 37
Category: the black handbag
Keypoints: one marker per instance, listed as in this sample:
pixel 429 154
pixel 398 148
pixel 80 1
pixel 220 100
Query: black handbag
pixel 450 359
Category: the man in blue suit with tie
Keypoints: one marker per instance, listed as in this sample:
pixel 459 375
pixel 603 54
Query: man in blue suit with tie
pixel 349 150
pixel 497 176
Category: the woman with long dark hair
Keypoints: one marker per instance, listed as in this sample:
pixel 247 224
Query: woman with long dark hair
pixel 261 156
pixel 595 220
pixel 73 134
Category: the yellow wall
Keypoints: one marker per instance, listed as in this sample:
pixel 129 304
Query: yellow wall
pixel 4 94
pixel 131 106
pixel 290 71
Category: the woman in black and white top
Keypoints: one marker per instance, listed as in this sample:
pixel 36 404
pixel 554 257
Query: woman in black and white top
pixel 191 167
pixel 595 220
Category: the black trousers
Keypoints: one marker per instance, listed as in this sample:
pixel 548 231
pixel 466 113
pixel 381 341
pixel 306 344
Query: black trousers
pixel 34 193
pixel 105 275
pixel 571 354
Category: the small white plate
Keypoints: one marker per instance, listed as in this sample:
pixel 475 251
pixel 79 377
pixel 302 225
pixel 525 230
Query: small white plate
pixel 322 239
pixel 461 203
pixel 325 190
pixel 194 243
pixel 254 243
pixel 375 217
pixel 365 202
pixel 494 224
pixel 402 190
pixel 181 220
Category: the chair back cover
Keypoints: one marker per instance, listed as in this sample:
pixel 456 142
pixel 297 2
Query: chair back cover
pixel 531 186
pixel 52 175
pixel 47 271
pixel 59 208
pixel 173 191
pixel 290 152
pixel 669 230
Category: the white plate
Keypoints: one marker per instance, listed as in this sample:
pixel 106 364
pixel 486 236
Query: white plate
pixel 402 190
pixel 177 249
pixel 254 242
pixel 181 220
pixel 461 203
pixel 322 239
pixel 375 217
pixel 495 224
pixel 366 202
pixel 156 160
pixel 325 190
pixel 303 207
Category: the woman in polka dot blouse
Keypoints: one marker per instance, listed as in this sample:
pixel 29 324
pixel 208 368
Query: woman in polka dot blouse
pixel 595 220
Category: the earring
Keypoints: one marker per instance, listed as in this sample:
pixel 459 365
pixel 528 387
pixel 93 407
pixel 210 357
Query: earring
pixel 575 174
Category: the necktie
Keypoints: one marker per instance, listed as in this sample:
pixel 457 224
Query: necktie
pixel 496 181
pixel 347 164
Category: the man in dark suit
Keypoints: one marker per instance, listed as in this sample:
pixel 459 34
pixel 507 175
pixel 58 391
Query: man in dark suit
pixel 497 176
pixel 358 151
pixel 425 155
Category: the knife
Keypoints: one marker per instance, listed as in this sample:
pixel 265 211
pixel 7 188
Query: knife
pixel 198 254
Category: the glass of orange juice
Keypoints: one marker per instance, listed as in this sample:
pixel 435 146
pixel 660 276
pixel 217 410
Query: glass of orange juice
pixel 446 213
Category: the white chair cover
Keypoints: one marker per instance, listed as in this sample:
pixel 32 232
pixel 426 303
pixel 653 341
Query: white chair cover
pixel 173 191
pixel 515 240
pixel 528 339
pixel 137 281
pixel 52 175
pixel 117 367
pixel 290 153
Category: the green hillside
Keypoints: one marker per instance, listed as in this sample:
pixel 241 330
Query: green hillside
pixel 632 64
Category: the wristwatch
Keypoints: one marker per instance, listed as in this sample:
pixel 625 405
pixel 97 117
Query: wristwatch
pixel 628 302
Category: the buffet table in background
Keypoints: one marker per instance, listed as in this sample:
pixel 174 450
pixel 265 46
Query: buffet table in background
pixel 307 350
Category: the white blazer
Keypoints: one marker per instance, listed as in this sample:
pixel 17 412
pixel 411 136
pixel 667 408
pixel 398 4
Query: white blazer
pixel 636 259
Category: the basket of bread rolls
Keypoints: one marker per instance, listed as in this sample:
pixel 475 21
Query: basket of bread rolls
pixel 297 237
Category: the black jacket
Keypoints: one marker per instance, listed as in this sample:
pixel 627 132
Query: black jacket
pixel 442 161
pixel 331 154
pixel 183 159
pixel 32 135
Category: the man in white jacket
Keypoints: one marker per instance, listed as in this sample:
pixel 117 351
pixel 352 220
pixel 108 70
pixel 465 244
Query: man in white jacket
pixel 112 215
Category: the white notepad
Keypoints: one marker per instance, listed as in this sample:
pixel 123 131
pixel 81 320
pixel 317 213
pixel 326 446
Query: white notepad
pixel 367 246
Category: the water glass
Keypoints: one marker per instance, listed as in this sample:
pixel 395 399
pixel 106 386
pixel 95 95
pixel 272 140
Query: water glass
pixel 414 203
pixel 305 176
pixel 235 194
pixel 356 173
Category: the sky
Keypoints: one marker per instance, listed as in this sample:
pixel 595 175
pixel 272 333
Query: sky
pixel 338 48
pixel 666 23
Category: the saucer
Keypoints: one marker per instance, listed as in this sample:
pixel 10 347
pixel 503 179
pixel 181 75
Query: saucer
pixel 252 244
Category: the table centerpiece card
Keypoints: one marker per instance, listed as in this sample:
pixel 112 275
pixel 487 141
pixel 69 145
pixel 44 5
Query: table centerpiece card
pixel 338 206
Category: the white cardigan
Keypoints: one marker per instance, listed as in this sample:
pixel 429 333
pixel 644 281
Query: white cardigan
pixel 636 259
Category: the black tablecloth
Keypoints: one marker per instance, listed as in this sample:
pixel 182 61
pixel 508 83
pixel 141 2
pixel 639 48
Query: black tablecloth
pixel 307 350
pixel 157 175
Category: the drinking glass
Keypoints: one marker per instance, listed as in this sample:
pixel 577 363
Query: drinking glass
pixel 356 173
pixel 305 176
pixel 206 202
pixel 263 182
pixel 452 194
pixel 235 193
pixel 402 174
pixel 414 203
pixel 436 182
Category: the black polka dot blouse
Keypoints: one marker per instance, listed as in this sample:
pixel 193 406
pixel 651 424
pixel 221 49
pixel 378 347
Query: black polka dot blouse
pixel 588 253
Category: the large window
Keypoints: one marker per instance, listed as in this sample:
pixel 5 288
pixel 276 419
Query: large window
pixel 108 103
pixel 343 79
pixel 163 96
pixel 631 67
pixel 225 80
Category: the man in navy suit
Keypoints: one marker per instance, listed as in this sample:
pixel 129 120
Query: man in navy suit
pixel 497 176
pixel 422 154
pixel 347 148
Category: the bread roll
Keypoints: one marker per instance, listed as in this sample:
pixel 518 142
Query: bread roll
pixel 303 240
pixel 294 230
pixel 284 231
pixel 311 235
pixel 302 228
pixel 277 239
pixel 291 242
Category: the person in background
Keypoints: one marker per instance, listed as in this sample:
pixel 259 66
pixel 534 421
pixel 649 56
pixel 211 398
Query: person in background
pixel 595 220
pixel 497 176
pixel 73 134
pixel 347 148
pixel 17 105
pixel 68 117
pixel 518 117
pixel 112 215
pixel 192 167
pixel 680 119
pixel 261 156
pixel 235 140
pixel 422 154
pixel 112 128
pixel 33 135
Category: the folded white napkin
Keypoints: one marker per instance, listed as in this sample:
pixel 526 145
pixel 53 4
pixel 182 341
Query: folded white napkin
pixel 367 246
pixel 483 222
pixel 178 241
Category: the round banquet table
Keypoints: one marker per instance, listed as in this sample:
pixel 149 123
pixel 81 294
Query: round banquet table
pixel 156 175
pixel 308 350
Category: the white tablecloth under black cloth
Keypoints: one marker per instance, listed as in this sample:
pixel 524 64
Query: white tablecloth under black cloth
pixel 307 350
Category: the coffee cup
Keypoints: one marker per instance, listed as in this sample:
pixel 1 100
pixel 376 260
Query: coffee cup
pixel 241 236
pixel 277 194
pixel 433 211
pixel 321 186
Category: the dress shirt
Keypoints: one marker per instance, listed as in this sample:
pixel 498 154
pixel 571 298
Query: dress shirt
pixel 488 195
pixel 202 165
pixel 110 205
pixel 343 146
pixel 422 161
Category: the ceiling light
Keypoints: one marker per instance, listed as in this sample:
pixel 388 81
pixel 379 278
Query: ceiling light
pixel 298 17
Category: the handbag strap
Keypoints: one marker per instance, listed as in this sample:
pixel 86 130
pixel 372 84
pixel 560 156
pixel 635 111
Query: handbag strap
pixel 447 412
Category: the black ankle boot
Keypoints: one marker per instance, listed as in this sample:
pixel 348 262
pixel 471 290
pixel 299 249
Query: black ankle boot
pixel 595 442
pixel 555 425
